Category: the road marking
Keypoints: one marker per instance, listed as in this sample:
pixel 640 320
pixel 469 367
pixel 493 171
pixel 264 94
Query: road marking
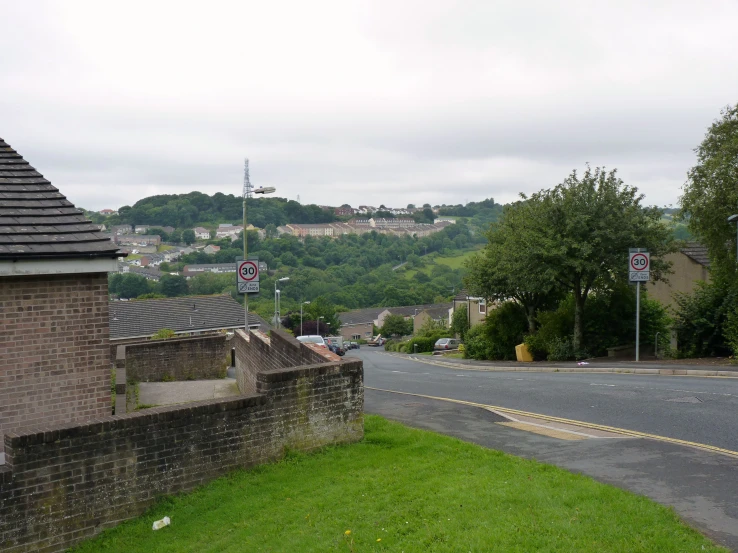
pixel 612 429
pixel 544 431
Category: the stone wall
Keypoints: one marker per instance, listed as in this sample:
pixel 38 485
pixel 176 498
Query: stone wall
pixel 63 484
pixel 259 352
pixel 196 358
pixel 54 352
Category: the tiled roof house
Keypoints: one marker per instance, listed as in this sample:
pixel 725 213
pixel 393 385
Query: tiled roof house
pixel 54 264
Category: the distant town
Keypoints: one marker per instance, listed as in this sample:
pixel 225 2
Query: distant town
pixel 145 255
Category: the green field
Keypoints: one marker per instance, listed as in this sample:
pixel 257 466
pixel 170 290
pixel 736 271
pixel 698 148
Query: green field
pixel 405 490
pixel 454 262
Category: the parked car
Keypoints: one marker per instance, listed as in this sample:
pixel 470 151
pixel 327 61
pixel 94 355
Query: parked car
pixel 355 345
pixel 446 343
pixel 312 339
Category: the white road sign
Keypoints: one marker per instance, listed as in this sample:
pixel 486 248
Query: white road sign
pixel 639 267
pixel 247 276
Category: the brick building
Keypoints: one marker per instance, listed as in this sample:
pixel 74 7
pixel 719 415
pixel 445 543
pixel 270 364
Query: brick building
pixel 54 264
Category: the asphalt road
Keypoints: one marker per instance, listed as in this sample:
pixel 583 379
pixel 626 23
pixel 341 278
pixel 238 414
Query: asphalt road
pixel 703 410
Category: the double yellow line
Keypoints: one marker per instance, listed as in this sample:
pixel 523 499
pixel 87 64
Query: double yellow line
pixel 582 424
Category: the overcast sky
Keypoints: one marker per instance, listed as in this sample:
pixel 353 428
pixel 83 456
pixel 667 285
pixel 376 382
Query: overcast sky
pixel 383 101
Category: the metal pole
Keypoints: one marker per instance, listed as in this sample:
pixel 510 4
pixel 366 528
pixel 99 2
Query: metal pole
pixel 638 320
pixel 245 253
pixel 276 320
pixel 300 318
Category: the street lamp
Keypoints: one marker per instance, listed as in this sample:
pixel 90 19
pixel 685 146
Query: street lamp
pixel 734 219
pixel 319 323
pixel 268 190
pixel 276 300
pixel 303 303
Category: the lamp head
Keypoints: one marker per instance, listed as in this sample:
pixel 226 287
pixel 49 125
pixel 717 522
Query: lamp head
pixel 733 218
pixel 265 190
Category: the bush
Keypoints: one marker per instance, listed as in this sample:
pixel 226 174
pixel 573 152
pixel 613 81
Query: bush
pixel 609 320
pixel 424 343
pixel 703 318
pixel 497 337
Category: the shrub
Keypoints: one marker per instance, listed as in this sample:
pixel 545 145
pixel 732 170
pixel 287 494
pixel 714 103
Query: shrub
pixel 702 319
pixel 163 334
pixel 497 337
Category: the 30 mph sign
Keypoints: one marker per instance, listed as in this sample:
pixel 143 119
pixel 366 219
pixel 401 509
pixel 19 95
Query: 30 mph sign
pixel 247 276
pixel 639 267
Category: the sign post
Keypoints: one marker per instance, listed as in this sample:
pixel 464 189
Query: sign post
pixel 247 276
pixel 639 270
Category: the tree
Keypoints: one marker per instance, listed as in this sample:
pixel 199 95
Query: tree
pixel 496 272
pixel 173 285
pixel 410 206
pixel 576 237
pixel 460 322
pixel 188 236
pixel 159 232
pixel 711 191
pixel 396 325
pixel 176 236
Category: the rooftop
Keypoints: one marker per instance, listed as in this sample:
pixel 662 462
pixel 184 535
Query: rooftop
pixel 697 252
pixel 143 318
pixel 37 221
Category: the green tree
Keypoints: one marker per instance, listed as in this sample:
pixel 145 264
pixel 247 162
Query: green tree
pixel 176 236
pixel 497 272
pixel 711 191
pixel 188 236
pixel 576 237
pixel 460 322
pixel 396 325
pixel 173 285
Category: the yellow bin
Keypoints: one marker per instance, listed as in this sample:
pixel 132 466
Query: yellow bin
pixel 522 353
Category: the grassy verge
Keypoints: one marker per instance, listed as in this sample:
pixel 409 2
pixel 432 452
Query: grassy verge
pixel 405 490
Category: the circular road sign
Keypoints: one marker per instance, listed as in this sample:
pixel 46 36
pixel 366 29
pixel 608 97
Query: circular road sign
pixel 639 262
pixel 248 270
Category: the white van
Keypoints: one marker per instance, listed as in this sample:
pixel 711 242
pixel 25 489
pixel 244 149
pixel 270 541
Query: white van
pixel 312 339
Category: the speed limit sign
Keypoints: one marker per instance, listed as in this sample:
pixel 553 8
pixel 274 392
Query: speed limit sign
pixel 247 276
pixel 639 267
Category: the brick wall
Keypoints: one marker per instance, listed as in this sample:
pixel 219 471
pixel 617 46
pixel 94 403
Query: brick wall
pixel 197 358
pixel 259 352
pixel 54 352
pixel 63 484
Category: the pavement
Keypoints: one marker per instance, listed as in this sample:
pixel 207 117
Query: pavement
pixel 601 364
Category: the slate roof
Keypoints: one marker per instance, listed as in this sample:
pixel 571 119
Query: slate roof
pixel 37 221
pixel 437 312
pixel 360 316
pixel 697 252
pixel 410 310
pixel 143 318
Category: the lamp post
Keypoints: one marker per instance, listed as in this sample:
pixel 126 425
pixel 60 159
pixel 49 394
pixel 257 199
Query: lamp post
pixel 734 219
pixel 276 300
pixel 319 324
pixel 268 190
pixel 303 303
pixel 327 329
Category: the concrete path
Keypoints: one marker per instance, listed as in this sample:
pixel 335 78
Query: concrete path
pixel 168 393
pixel 701 486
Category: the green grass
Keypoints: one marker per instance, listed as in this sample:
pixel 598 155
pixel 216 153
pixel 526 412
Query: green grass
pixel 454 262
pixel 457 261
pixel 415 491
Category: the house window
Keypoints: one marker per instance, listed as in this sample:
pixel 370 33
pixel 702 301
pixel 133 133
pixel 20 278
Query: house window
pixel 483 306
pixel 356 336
